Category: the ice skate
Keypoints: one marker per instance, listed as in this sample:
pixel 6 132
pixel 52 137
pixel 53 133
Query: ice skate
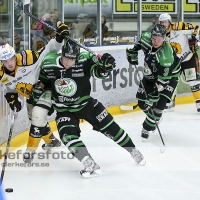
pixel 28 155
pixel 55 143
pixel 138 157
pixel 145 134
pixel 170 106
pixel 198 105
pixel 91 169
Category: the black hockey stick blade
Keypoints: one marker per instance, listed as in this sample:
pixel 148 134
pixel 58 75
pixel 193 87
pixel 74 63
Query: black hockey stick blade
pixel 27 12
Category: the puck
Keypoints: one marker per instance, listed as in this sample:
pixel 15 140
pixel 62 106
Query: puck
pixel 9 190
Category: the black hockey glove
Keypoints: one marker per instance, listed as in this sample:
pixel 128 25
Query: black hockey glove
pixel 13 101
pixel 152 98
pixel 108 62
pixel 132 56
pixel 62 30
pixel 193 44
pixel 36 93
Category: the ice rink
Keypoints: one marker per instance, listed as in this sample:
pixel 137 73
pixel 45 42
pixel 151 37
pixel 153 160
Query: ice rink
pixel 173 175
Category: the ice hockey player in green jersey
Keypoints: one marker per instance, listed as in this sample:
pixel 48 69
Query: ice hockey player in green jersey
pixel 68 76
pixel 161 75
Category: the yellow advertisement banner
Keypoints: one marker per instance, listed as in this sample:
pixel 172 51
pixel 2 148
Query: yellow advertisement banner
pixel 3 7
pixel 156 7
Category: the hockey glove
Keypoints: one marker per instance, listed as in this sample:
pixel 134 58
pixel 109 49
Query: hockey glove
pixel 151 99
pixel 132 56
pixel 108 62
pixel 61 32
pixel 36 93
pixel 13 101
pixel 193 44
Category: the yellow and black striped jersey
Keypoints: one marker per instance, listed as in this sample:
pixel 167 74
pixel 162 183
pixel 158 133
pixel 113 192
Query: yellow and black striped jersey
pixel 178 38
pixel 27 69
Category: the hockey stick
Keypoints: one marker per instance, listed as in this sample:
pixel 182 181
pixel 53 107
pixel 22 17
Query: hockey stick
pixel 8 145
pixel 124 107
pixel 26 11
pixel 162 150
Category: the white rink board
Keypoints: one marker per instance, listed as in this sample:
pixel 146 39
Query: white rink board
pixel 121 86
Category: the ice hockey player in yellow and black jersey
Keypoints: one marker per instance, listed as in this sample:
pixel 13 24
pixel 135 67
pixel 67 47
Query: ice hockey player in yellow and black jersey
pixel 19 72
pixel 183 37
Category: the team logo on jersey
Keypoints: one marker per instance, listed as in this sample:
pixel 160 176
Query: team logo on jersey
pixel 24 89
pixel 4 80
pixel 177 47
pixel 66 87
pixel 147 70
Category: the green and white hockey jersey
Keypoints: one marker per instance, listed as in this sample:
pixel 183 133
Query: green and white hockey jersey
pixel 160 65
pixel 71 87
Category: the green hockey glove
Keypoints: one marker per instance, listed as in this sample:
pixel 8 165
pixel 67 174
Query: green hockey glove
pixel 108 62
pixel 36 93
pixel 152 98
pixel 132 56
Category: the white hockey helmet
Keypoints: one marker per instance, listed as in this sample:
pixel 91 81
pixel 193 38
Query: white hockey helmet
pixel 6 52
pixel 165 17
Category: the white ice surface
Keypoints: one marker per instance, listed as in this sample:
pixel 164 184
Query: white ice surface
pixel 173 175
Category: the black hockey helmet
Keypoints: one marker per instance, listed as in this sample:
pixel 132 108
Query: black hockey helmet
pixel 70 49
pixel 159 30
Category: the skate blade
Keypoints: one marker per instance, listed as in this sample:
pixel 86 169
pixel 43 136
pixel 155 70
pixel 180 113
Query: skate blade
pixel 169 110
pixel 52 148
pixel 144 139
pixel 143 162
pixel 91 175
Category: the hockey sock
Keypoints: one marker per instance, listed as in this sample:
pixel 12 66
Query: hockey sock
pixel 47 134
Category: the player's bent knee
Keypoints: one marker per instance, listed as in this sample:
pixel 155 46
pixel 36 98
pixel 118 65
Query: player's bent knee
pixel 157 111
pixel 39 116
pixel 69 135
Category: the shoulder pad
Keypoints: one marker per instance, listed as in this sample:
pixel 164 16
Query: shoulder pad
pixel 83 56
pixel 51 55
pixel 50 58
pixel 165 55
pixel 1 70
pixel 26 57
